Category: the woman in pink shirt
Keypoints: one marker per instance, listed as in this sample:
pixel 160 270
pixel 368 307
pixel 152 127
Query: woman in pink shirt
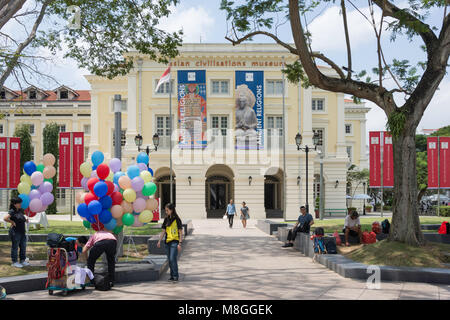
pixel 100 242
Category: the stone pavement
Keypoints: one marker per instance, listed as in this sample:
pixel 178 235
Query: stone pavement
pixel 223 263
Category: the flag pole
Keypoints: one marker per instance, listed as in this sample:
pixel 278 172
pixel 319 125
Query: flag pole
pixel 170 128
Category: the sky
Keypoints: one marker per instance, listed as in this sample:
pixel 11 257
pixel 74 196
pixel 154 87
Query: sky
pixel 203 21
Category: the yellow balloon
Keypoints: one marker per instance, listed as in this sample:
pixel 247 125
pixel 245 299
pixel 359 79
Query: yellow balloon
pixel 146 176
pixel 25 178
pixel 129 195
pixel 110 176
pixel 24 188
pixel 86 169
pixel 145 216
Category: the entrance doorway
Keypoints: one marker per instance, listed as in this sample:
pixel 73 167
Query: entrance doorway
pixel 273 194
pixel 219 189
pixel 163 190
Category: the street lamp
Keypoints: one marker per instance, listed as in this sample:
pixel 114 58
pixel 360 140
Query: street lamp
pixel 138 141
pixel 321 199
pixel 364 200
pixel 298 142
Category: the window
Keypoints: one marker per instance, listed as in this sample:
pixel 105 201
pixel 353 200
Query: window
pixel 123 105
pixel 220 86
pixel 348 129
pixel 60 197
pixel 32 152
pixel 87 129
pixel 274 131
pixel 164 88
pixel 163 130
pixel 349 153
pixel 219 124
pixel 62 127
pixel 274 87
pixel 64 94
pixel 32 94
pixel 123 138
pixel 31 127
pixel 86 152
pixel 320 133
pixel 318 104
pixel 1 128
pixel 2 94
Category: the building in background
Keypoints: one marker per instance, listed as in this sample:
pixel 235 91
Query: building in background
pixel 69 108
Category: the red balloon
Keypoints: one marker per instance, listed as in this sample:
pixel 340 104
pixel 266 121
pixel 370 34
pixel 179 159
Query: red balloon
pixel 29 213
pixel 89 197
pixel 91 183
pixel 97 225
pixel 102 171
pixel 117 198
pixel 110 187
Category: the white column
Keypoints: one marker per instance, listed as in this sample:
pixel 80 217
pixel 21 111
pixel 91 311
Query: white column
pixel 93 143
pixel 363 153
pixel 130 146
pixel 341 151
pixel 307 117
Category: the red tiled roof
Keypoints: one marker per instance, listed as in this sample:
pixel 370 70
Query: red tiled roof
pixel 83 95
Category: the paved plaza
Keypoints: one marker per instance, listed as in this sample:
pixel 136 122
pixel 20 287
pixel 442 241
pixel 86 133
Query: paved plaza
pixel 223 263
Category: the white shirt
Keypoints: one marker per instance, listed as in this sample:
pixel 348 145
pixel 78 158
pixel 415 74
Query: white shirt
pixel 349 222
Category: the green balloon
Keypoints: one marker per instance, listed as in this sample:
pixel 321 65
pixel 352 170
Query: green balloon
pixel 118 229
pixel 86 224
pixel 49 180
pixel 149 189
pixel 40 167
pixel 128 219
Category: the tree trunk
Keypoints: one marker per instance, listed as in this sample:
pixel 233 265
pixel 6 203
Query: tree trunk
pixel 405 218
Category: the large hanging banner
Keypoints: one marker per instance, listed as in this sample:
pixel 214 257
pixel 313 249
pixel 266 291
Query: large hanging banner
pixel 64 160
pixel 438 177
pixel 77 158
pixel 378 140
pixel 71 156
pixel 249 94
pixel 192 109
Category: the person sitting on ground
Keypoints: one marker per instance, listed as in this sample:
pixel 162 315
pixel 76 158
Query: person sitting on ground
pixel 100 242
pixel 352 226
pixel 304 223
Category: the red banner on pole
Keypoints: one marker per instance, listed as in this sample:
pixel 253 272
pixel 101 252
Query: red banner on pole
pixel 438 176
pixel 64 159
pixel 432 155
pixel 77 157
pixel 444 157
pixel 14 162
pixel 388 161
pixel 3 162
pixel 375 159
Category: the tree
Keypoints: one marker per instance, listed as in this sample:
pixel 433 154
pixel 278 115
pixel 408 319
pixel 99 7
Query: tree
pixel 355 178
pixel 106 31
pixel 255 17
pixel 50 141
pixel 22 131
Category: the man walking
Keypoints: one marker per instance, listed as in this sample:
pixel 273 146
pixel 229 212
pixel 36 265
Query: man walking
pixel 231 211
pixel 304 223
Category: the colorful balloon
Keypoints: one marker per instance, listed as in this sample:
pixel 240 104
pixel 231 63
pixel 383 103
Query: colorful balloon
pixel 45 187
pixel 111 224
pixel 133 171
pixel 146 216
pixel 37 178
pixel 100 189
pixel 78 196
pixel 142 167
pixel 129 195
pixel 34 194
pixel 125 182
pixel 137 184
pixel 25 201
pixel 86 224
pixel 103 171
pixel 117 211
pixel 49 159
pixel 84 184
pixel 152 204
pixel 104 216
pixel 82 210
pixel 142 158
pixel 86 169
pixel 91 183
pixel 146 176
pixel 149 189
pixel 136 222
pixel 40 167
pixel 24 188
pixel 118 229
pixel 106 202
pixel 47 198
pixel 117 198
pixel 139 205
pixel 29 167
pixel 49 172
pixel 94 207
pixel 89 197
pixel 115 165
pixel 36 205
pixel 128 219
pixel 110 176
pixel 117 175
pixel 97 158
pixel 110 186
pixel 25 178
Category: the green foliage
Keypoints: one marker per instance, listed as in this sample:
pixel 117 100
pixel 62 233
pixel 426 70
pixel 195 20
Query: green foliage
pixel 108 30
pixel 50 141
pixel 396 122
pixel 422 170
pixel 22 131
pixel 442 132
pixel 421 142
pixel 444 211
pixel 295 74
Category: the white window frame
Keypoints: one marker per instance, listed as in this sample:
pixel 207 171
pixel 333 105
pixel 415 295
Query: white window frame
pixel 155 81
pixel 266 127
pixel 84 129
pixel 325 104
pixel 121 141
pixel 111 104
pixel 155 126
pixel 274 95
pixel 60 125
pixel 34 128
pixel 351 157
pixel 231 87
pixel 351 129
pixel 324 137
pixel 33 152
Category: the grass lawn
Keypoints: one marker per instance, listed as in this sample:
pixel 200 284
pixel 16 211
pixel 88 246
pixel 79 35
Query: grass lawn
pixel 396 254
pixel 76 227
pixel 331 225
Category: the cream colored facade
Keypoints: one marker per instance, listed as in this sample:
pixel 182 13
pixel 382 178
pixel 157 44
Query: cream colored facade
pixel 71 113
pixel 204 179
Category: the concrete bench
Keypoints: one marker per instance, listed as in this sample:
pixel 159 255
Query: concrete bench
pixel 340 212
pixel 269 226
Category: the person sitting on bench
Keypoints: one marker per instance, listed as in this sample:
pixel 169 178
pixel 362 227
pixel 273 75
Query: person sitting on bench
pixel 304 223
pixel 352 227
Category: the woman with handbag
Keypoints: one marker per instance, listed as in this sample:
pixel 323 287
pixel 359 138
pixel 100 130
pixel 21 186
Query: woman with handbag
pixel 17 233
pixel 244 214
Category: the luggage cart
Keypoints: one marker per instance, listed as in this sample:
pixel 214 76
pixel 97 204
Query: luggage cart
pixel 62 277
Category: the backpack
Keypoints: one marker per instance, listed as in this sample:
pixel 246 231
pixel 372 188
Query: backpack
pixel 376 227
pixel 369 237
pixel 56 265
pixel 319 231
pixel 102 282
pixel 331 247
pixel 385 226
pixel 54 240
pixel 444 228
pixel 338 238
pixel 319 247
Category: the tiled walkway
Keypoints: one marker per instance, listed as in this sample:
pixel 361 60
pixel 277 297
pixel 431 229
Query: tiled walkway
pixel 223 263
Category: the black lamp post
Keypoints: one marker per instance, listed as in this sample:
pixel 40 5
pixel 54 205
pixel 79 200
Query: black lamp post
pixel 298 142
pixel 138 141
pixel 364 200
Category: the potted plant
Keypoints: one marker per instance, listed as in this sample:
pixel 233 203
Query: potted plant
pixel 316 208
pixel 350 209
pixel 368 208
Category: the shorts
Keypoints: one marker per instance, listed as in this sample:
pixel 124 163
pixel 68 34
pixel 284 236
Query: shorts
pixel 352 233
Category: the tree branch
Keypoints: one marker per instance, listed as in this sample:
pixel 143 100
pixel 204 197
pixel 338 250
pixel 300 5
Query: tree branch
pixel 347 40
pixel 8 9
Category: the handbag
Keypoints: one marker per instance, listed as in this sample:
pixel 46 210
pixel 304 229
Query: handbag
pixel 224 216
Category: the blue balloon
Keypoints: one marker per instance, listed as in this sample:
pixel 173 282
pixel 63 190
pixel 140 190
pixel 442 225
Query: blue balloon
pixel 151 171
pixel 116 177
pixel 25 200
pixel 111 224
pixel 100 189
pixel 94 207
pixel 106 202
pixel 97 158
pixel 29 167
pixel 82 210
pixel 133 171
pixel 90 218
pixel 142 158
pixel 105 216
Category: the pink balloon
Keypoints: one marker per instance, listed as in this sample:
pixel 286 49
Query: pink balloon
pixel 37 178
pixel 36 205
pixel 142 166
pixel 137 223
pixel 152 204
pixel 94 174
pixel 116 188
pixel 124 182
pixel 117 211
pixel 34 194
pixel 137 184
pixel 49 172
pixel 139 205
pixel 127 207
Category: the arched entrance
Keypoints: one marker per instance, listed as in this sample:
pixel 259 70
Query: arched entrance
pixel 273 193
pixel 162 181
pixel 219 189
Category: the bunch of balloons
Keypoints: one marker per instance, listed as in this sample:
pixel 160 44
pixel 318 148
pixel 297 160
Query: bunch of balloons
pixel 36 185
pixel 116 198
